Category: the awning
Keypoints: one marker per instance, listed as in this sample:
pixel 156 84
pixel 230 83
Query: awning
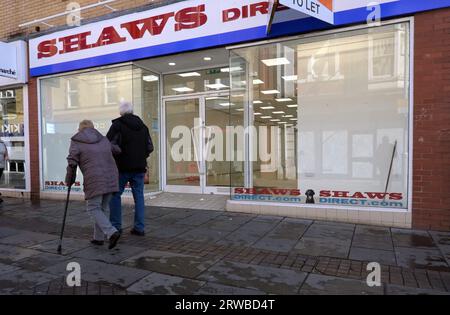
pixel 320 9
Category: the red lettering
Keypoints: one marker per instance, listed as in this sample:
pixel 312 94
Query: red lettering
pixel 374 195
pixel 341 194
pixel 190 18
pixel 396 196
pixel 239 190
pixel 109 36
pixel 261 7
pixel 358 195
pixel 74 42
pixel 231 15
pixel 295 192
pixel 47 49
pixel 250 191
pixel 245 12
pixel 280 191
pixel 325 193
pixel 150 25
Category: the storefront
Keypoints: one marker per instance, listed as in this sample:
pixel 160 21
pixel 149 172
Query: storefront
pixel 14 118
pixel 312 120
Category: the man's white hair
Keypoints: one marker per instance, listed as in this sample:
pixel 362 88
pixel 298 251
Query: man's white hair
pixel 125 107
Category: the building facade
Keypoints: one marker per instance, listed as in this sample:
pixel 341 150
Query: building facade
pixel 344 119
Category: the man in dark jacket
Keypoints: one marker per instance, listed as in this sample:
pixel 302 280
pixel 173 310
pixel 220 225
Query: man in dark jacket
pixel 133 137
pixel 93 153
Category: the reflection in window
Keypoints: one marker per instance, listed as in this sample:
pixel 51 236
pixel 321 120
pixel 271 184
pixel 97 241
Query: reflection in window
pixel 343 93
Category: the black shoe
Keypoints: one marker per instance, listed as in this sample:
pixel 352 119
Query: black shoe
pixel 113 240
pixel 98 243
pixel 137 233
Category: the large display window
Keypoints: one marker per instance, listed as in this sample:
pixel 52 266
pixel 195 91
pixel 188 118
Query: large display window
pixel 94 95
pixel 12 134
pixel 327 119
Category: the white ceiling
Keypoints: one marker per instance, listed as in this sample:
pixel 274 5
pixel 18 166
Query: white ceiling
pixel 186 61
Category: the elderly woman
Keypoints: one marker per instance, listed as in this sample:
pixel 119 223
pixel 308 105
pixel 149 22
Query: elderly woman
pixel 93 153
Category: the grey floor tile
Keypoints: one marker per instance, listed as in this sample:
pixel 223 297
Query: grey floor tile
pixel 265 279
pixel 384 257
pixel 69 245
pixel 401 290
pixel 325 246
pixel 22 281
pixel 4 268
pixel 41 261
pixel 220 289
pixel 412 238
pixel 161 284
pixel 102 253
pixel 169 263
pixel 10 254
pixel 342 232
pixel 421 258
pixel 95 271
pixel 373 237
pixel 27 239
pixel 328 285
pixel 202 234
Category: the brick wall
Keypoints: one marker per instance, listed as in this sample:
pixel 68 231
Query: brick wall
pixel 16 12
pixel 431 175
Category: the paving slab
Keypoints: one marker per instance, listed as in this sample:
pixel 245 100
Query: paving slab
pixel 6 231
pixel 401 290
pixel 22 281
pixel 102 253
pixel 161 284
pixel 373 237
pixel 202 234
pixel 170 231
pixel 95 271
pixel 10 254
pixel 200 218
pixel 169 263
pixel 327 285
pixel 211 288
pixel 266 279
pixel 412 238
pixel 342 232
pixel 325 246
pixel 69 245
pixel 27 239
pixel 4 268
pixel 418 258
pixel 41 261
pixel 384 257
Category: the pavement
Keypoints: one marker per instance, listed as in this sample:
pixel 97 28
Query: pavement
pixel 193 251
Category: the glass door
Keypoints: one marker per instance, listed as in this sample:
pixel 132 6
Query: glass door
pixel 182 135
pixel 196 159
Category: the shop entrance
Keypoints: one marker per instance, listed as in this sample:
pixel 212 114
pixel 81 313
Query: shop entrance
pixel 192 159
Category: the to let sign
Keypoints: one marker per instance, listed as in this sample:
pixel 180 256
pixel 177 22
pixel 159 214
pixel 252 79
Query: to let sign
pixel 320 9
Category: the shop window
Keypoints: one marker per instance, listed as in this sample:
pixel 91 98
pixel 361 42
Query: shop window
pixel 13 136
pixel 335 109
pixel 93 95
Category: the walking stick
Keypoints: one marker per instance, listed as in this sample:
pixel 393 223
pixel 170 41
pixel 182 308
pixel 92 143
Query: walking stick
pixel 390 170
pixel 72 180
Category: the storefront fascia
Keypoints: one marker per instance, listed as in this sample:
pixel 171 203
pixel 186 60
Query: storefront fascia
pixel 14 93
pixel 280 31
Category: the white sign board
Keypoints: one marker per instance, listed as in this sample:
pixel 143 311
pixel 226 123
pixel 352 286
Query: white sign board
pixel 320 9
pixel 8 60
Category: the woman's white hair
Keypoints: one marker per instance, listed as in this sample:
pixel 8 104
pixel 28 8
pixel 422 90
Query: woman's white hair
pixel 125 107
